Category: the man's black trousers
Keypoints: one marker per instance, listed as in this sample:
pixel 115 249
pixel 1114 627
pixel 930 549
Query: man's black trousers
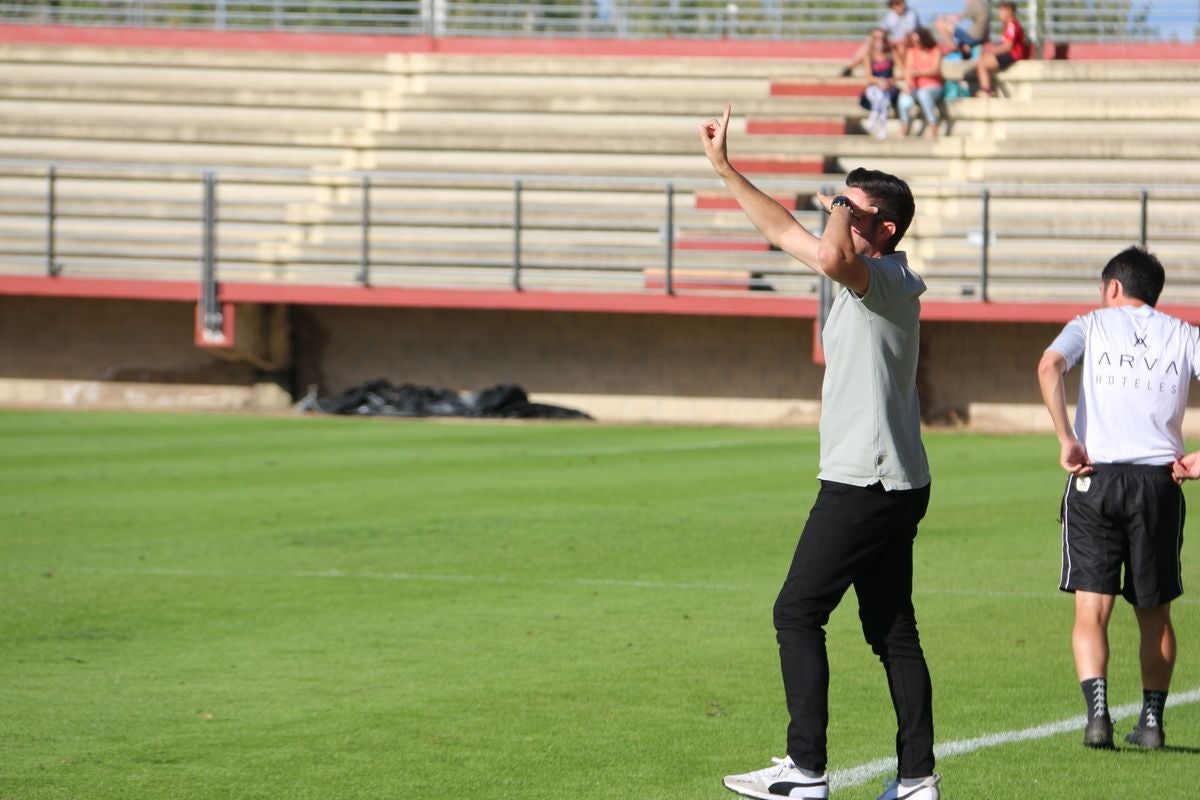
pixel 860 537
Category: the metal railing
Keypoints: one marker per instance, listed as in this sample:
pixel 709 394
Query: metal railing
pixel 550 233
pixel 1047 20
pixel 1113 21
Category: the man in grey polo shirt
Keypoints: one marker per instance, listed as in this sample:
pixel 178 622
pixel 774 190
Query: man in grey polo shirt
pixel 874 476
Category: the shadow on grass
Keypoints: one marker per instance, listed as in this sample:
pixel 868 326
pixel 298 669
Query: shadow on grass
pixel 1169 748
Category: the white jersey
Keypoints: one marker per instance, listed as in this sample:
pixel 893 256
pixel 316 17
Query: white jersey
pixel 1138 365
pixel 898 26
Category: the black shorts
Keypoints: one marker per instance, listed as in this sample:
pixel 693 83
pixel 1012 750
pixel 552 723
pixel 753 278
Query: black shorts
pixel 1005 60
pixel 1124 517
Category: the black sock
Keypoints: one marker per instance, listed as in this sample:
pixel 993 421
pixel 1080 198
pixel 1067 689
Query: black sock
pixel 1095 694
pixel 1153 703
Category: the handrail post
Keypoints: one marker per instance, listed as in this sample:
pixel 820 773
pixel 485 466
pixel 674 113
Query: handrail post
pixel 516 277
pixel 364 250
pixel 985 236
pixel 53 268
pixel 1145 223
pixel 669 255
pixel 211 309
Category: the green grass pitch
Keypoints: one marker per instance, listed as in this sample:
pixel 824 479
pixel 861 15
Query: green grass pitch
pixel 232 607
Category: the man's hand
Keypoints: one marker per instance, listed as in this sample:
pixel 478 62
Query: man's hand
pixel 713 136
pixel 1075 458
pixel 1186 468
pixel 857 212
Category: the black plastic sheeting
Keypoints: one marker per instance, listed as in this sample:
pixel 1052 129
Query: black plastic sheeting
pixel 382 398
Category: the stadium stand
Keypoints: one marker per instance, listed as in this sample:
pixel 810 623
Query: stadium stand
pixel 360 196
pixel 572 119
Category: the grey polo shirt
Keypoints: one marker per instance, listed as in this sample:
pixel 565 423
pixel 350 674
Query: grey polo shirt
pixel 870 414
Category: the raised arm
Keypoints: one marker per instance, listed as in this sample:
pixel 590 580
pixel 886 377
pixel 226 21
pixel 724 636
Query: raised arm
pixel 774 221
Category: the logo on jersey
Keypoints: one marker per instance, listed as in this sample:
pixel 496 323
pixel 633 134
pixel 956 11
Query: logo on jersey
pixel 1126 360
pixel 1141 373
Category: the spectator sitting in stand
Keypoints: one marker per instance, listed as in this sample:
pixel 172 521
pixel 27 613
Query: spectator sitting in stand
pixel 897 23
pixel 963 32
pixel 900 21
pixel 880 94
pixel 923 80
pixel 1011 49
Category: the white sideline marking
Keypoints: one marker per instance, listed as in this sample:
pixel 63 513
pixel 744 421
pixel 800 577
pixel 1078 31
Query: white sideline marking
pixel 856 776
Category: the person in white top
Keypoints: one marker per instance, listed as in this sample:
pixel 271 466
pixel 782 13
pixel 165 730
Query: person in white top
pixel 899 21
pixel 1123 509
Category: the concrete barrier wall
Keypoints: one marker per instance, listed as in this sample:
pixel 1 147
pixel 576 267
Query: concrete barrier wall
pixel 973 362
pixel 618 367
pixel 107 340
pixel 624 354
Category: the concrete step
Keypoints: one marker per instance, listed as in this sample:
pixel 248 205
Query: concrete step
pixel 1098 71
pixel 189 115
pixel 675 166
pixel 282 76
pixel 337 98
pixel 700 108
pixel 1140 172
pixel 76 194
pixel 1032 171
pixel 1125 229
pixel 421 62
pixel 17 53
pixel 558 85
pixel 184 154
pixel 1034 131
pixel 665 135
pixel 1104 150
pixel 1047 91
pixel 1121 107
pixel 698 68
pixel 1033 258
pixel 675 142
pixel 184 132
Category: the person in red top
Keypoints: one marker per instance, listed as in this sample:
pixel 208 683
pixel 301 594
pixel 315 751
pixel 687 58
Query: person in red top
pixel 1011 50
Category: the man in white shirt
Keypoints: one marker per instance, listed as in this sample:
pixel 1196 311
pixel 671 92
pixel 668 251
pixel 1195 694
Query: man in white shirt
pixel 1123 510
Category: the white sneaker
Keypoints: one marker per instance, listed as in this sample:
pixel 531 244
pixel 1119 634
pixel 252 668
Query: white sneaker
pixel 925 790
pixel 781 780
